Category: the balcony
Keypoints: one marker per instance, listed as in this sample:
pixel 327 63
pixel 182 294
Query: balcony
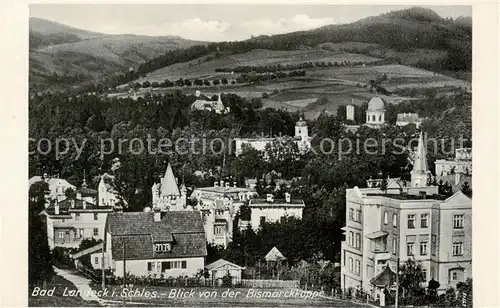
pixel 381 255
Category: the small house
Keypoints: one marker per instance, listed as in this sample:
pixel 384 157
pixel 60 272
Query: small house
pixel 220 268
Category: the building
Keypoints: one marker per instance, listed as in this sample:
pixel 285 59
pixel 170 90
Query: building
pixel 95 253
pixel 350 113
pixel 57 186
pixel 404 119
pixel 375 114
pixel 383 227
pixel 462 163
pixel 108 195
pixel 219 205
pixel 167 195
pixel 157 244
pixel 220 268
pixel 74 219
pixel 301 138
pixel 273 210
pixel 202 104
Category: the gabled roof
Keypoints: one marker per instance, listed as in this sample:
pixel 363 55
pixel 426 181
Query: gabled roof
pixel 274 254
pixel 139 231
pixel 221 262
pixel 385 278
pixel 169 184
pixel 458 199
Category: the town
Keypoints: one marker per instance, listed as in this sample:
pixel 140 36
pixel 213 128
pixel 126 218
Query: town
pixel 292 173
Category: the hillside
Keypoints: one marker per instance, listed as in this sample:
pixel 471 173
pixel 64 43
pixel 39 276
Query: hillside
pixel 61 55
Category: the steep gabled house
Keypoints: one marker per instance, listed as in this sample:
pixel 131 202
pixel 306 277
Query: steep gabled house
pixel 157 244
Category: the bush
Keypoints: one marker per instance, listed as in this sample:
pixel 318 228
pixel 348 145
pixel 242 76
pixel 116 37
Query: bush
pixel 227 280
pixel 61 258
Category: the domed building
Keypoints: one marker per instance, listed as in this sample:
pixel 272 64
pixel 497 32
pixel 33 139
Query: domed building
pixel 375 114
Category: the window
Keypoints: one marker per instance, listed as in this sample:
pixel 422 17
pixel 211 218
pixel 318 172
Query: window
pixel 386 218
pixel 163 247
pixel 358 215
pixel 350 264
pixel 80 233
pixel 423 248
pixel 351 238
pixel 454 276
pixel 60 234
pixel 395 220
pixel 433 244
pixel 424 220
pixel 358 240
pixel 380 118
pixel 357 267
pixel 351 214
pixel 411 221
pixel 96 216
pixel 184 264
pixel 410 249
pixel 176 264
pixel 262 219
pixel 219 230
pixel 394 246
pixel 424 273
pixel 96 260
pixel 458 221
pixel 96 231
pixel 373 118
pixel 458 248
pixel 77 216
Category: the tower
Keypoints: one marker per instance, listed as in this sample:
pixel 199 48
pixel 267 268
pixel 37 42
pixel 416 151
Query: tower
pixel 350 112
pixel 301 129
pixel 419 171
pixel 375 114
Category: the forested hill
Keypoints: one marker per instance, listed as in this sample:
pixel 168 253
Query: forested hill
pixel 401 31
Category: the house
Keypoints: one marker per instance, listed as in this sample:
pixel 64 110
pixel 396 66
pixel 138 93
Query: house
pixel 409 222
pixel 57 186
pixel 108 195
pixel 167 195
pixel 301 138
pixel 220 268
pixel 95 253
pixel 404 119
pixel 273 210
pixel 462 163
pixel 72 220
pixel 156 243
pixel 219 205
pixel 202 104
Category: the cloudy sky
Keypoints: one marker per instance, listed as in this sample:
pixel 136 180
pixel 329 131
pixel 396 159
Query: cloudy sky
pixel 213 22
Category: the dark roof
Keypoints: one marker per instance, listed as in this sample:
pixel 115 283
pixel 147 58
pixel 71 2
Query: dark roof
pixel 87 192
pixel 139 231
pixel 65 207
pixel 385 278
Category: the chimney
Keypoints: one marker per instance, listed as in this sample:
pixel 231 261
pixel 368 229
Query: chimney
pixel 270 198
pixel 422 194
pixel 288 197
pixel 56 207
pixel 221 183
pixel 157 214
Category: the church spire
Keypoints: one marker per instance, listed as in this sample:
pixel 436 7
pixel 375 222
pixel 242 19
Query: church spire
pixel 420 169
pixel 84 184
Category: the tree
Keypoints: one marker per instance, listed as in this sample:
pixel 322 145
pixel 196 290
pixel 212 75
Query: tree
pixel 383 185
pixel 411 279
pixel 216 82
pixel 467 190
pixel 224 80
pixel 39 255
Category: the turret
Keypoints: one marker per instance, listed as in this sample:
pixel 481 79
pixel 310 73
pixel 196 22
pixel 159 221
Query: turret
pixel 420 169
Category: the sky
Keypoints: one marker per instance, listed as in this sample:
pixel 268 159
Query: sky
pixel 214 22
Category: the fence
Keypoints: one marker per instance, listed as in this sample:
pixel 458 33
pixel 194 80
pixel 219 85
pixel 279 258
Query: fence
pixel 265 283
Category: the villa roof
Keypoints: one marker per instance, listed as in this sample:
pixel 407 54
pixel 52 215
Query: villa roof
pixel 276 202
pixel 220 263
pixel 139 231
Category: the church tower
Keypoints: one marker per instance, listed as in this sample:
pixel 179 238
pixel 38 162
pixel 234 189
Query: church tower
pixel 301 130
pixel 420 170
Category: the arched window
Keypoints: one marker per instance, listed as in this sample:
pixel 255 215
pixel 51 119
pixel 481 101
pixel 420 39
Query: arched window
pixel 380 118
pixel 350 264
pixel 373 118
pixel 386 219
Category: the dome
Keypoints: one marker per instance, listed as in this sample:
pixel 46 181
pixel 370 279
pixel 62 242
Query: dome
pixel 375 104
pixel 301 122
